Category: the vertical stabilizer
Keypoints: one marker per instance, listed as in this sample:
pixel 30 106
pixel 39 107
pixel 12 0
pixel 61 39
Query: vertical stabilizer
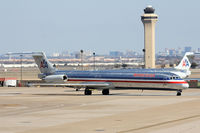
pixel 185 63
pixel 43 64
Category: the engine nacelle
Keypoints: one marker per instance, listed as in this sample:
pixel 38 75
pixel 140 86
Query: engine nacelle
pixel 56 78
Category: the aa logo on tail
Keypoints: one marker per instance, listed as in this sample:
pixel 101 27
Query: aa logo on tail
pixel 185 63
pixel 43 64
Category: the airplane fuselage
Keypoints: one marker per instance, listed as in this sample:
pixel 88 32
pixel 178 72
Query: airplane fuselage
pixel 131 80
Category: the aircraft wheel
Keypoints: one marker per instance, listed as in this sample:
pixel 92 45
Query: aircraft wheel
pixel 179 93
pixel 88 92
pixel 105 91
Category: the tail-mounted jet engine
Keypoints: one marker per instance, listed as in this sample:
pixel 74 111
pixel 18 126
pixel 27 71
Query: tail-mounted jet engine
pixel 56 78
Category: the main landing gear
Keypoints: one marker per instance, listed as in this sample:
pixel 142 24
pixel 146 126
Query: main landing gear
pixel 88 91
pixel 105 91
pixel 178 92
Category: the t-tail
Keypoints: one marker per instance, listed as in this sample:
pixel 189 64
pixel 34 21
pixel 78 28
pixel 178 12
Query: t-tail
pixel 185 63
pixel 43 64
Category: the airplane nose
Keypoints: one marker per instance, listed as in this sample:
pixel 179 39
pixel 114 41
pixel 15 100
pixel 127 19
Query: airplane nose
pixel 186 85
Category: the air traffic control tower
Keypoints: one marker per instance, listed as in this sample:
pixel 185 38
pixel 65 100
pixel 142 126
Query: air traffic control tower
pixel 149 20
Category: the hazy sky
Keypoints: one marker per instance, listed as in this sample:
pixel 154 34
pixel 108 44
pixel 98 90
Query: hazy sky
pixel 95 25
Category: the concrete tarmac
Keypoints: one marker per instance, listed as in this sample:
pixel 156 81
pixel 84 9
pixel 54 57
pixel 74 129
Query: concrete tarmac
pixel 64 110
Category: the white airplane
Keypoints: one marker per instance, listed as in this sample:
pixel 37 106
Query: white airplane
pixel 109 79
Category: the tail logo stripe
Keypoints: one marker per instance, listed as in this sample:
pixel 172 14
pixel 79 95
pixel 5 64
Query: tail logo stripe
pixel 185 63
pixel 43 64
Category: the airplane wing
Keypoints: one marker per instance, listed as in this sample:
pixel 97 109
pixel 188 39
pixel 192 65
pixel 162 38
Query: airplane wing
pixel 76 85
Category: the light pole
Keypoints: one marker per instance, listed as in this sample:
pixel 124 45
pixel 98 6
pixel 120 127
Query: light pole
pixel 21 69
pixel 94 59
pixel 81 59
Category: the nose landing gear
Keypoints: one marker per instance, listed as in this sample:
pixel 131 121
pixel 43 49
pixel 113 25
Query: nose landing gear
pixel 178 92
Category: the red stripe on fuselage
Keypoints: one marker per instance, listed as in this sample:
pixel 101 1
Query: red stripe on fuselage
pixel 126 81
